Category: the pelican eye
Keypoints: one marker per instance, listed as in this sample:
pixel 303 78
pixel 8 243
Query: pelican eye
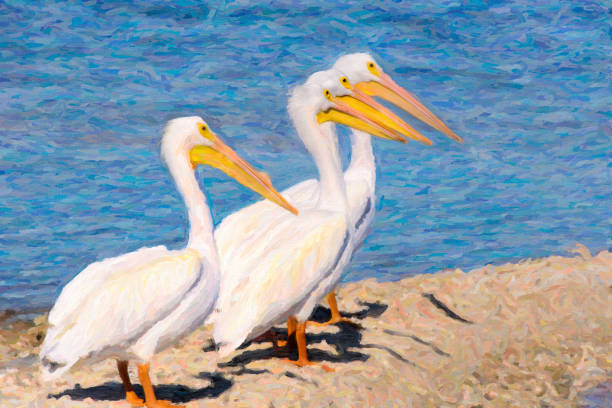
pixel 373 69
pixel 327 94
pixel 205 132
pixel 345 83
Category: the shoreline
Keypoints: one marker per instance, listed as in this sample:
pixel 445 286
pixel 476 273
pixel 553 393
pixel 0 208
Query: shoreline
pixel 17 313
pixel 534 333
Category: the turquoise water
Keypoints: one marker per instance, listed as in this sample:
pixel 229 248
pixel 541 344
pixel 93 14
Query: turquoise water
pixel 85 90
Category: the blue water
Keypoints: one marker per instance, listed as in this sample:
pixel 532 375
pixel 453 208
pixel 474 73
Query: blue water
pixel 85 90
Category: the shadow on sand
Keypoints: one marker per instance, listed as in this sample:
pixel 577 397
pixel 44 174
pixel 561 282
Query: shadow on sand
pixel 113 391
pixel 349 336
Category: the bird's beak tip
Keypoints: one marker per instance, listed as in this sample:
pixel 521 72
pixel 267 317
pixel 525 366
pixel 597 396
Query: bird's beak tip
pixel 456 137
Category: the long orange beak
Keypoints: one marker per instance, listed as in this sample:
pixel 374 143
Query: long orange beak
pixel 224 158
pixel 387 89
pixel 348 112
pixel 394 122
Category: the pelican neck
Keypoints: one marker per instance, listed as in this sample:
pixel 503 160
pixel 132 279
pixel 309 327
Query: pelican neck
pixel 201 236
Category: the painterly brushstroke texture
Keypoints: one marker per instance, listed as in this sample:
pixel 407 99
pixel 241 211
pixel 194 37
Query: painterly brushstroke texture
pixel 539 336
pixel 85 89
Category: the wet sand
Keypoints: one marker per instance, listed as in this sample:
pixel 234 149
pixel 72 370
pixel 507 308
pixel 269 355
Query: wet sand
pixel 532 334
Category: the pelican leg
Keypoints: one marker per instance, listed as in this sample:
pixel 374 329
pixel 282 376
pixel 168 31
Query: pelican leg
pixel 290 342
pixel 271 336
pixel 335 314
pixel 300 338
pixel 130 395
pixel 150 400
pixel 333 305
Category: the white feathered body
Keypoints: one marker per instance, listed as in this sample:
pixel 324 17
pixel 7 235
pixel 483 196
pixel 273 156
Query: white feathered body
pixel 360 194
pixel 279 268
pixel 245 236
pixel 129 307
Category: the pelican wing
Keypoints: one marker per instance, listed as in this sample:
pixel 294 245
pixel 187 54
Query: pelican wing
pixel 271 274
pixel 361 204
pixel 91 278
pixel 247 222
pixel 123 306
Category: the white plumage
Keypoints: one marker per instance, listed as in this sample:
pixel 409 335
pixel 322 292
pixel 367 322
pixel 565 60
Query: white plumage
pixel 271 273
pixel 126 307
pixel 283 272
pixel 137 304
pixel 245 230
pixel 271 263
pixel 112 308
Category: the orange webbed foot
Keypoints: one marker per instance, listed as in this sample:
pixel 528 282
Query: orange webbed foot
pixel 335 314
pixel 163 404
pixel 133 399
pixel 334 320
pixel 299 331
pixel 304 363
pixel 150 400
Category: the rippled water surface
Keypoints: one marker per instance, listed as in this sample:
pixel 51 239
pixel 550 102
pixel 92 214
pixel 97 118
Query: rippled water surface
pixel 85 89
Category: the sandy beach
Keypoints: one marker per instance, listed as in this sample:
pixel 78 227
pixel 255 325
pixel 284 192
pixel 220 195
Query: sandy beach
pixel 532 334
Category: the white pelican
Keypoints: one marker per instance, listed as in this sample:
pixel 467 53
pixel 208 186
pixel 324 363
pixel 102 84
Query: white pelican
pixel 269 272
pixel 369 79
pixel 134 305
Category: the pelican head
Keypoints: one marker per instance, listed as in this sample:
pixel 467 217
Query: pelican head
pixel 368 78
pixel 359 67
pixel 312 94
pixel 323 99
pixel 192 138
